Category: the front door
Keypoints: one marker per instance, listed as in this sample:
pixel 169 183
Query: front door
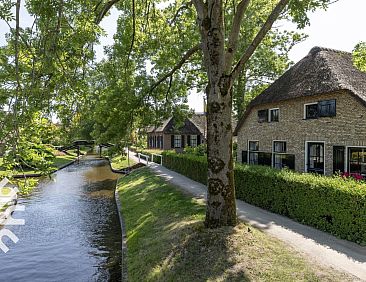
pixel 338 159
pixel 315 157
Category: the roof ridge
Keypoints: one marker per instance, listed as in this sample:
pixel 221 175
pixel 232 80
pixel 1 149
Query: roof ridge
pixel 317 49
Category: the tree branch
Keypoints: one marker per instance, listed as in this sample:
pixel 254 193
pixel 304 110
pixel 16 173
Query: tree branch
pixel 259 37
pixel 180 9
pixel 186 56
pixel 133 33
pixel 234 34
pixel 200 7
pixel 104 11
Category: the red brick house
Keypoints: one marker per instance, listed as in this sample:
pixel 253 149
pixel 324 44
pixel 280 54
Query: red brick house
pixel 312 119
pixel 168 136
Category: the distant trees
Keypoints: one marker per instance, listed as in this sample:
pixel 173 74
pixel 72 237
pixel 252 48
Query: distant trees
pixel 359 56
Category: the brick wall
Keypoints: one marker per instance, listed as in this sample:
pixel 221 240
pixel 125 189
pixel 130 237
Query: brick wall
pixel 347 128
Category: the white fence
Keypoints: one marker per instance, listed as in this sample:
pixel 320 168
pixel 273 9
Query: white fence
pixel 147 158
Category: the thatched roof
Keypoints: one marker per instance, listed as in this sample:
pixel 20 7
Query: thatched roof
pixel 199 120
pixel 159 128
pixel 322 71
pixel 193 125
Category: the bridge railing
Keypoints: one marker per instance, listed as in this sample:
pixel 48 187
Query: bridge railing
pixel 145 156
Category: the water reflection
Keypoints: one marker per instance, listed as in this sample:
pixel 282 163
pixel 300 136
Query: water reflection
pixel 71 230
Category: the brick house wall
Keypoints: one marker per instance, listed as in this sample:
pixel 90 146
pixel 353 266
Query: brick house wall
pixel 347 128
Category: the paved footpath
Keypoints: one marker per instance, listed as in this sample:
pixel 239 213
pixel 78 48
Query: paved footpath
pixel 322 247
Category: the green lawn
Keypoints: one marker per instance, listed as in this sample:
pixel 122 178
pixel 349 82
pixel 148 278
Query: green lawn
pixel 120 162
pixel 59 161
pixel 63 160
pixel 166 241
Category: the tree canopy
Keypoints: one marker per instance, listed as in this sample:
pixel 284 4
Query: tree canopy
pixel 161 51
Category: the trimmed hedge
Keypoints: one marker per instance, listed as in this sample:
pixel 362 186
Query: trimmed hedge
pixel 330 204
pixel 192 166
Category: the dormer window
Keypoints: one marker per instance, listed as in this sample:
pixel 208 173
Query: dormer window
pixel 311 111
pixel 274 115
pixel 263 115
pixel 325 108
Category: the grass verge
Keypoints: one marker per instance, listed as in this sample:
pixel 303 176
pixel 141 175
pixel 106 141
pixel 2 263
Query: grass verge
pixel 120 162
pixel 58 162
pixel 62 160
pixel 166 241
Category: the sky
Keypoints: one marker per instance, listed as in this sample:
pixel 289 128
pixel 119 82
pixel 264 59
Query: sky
pixel 340 27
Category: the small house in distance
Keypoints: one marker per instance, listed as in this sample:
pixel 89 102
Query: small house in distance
pixel 168 137
pixel 312 119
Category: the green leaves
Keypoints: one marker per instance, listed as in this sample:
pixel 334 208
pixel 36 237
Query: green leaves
pixel 5 10
pixel 359 56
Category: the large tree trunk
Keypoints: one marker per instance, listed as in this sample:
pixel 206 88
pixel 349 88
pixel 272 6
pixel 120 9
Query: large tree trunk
pixel 221 207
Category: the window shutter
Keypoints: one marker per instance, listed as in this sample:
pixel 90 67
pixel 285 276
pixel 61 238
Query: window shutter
pixel 198 140
pixel 327 108
pixel 263 115
pixel 182 141
pixel 244 157
pixel 172 141
pixel 332 109
pixel 189 140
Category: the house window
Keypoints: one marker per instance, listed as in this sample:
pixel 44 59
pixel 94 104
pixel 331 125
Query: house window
pixel 264 158
pixel 311 111
pixel 327 108
pixel 193 141
pixel 253 152
pixel 274 115
pixel 262 115
pixel 280 158
pixel 253 145
pixel 357 160
pixel 315 159
pixel 283 161
pixel 177 141
pixel 279 146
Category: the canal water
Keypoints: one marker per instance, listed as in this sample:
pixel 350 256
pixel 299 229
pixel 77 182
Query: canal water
pixel 72 230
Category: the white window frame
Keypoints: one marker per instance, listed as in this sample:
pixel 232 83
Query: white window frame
pixel 306 155
pixel 308 104
pixel 248 150
pixel 269 114
pixel 277 153
pixel 176 141
pixel 196 140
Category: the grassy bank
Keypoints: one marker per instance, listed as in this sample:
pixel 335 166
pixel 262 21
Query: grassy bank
pixel 167 241
pixel 120 162
pixel 58 162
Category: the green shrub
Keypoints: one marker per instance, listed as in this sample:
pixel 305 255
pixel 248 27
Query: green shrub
pixel 200 150
pixel 192 166
pixel 331 204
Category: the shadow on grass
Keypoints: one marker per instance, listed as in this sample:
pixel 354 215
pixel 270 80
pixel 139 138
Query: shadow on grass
pixel 167 241
pixel 166 238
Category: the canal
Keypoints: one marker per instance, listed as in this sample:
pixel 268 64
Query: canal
pixel 72 230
